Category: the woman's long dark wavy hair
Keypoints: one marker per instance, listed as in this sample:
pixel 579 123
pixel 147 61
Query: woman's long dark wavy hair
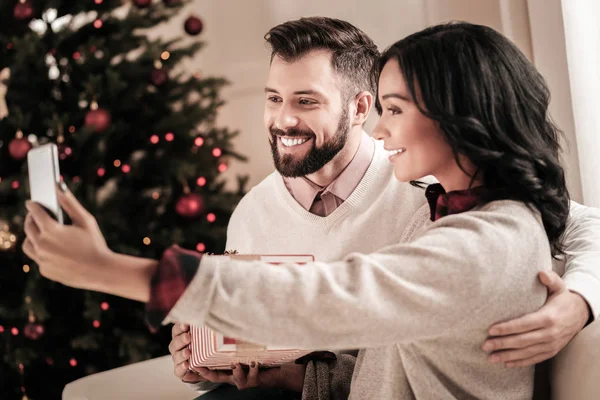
pixel 492 106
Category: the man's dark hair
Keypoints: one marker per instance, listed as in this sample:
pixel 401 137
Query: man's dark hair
pixel 353 52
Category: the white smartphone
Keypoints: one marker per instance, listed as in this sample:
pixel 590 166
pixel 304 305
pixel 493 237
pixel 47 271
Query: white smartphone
pixel 44 176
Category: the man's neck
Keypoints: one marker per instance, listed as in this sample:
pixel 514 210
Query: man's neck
pixel 334 168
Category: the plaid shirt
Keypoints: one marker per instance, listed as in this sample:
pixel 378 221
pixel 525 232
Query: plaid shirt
pixel 455 202
pixel 178 266
pixel 175 271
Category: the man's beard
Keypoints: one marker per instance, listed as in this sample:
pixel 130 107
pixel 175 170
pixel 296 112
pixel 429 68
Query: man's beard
pixel 287 165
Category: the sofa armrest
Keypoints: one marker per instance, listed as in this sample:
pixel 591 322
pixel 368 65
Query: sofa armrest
pixel 146 380
pixel 576 369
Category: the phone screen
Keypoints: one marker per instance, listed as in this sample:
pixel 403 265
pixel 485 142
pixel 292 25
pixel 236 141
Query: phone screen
pixel 42 163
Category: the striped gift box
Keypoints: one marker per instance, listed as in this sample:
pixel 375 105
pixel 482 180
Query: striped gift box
pixel 212 350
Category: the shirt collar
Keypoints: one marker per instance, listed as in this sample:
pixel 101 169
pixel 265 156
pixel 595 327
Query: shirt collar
pixel 343 186
pixel 455 202
pixel 304 190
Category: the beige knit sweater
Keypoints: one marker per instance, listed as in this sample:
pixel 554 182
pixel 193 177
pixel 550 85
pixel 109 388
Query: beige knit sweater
pixel 421 308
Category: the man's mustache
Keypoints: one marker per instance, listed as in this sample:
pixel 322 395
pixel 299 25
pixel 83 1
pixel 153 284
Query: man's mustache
pixel 291 132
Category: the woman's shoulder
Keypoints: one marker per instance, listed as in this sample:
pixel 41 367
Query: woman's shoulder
pixel 507 215
pixel 504 218
pixel 418 222
pixel 517 209
pixel 493 228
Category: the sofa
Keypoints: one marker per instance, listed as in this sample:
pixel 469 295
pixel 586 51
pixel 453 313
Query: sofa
pixel 575 375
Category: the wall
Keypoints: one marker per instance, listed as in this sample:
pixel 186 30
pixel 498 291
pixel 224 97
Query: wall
pixel 235 49
pixel 550 57
pixel 583 54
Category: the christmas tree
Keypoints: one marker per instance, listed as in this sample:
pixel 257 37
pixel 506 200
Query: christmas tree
pixel 138 146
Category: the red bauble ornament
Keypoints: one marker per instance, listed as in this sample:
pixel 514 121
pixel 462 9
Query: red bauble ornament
pixel 23 11
pixel 64 151
pixel 190 205
pixel 159 77
pixel 33 331
pixel 98 120
pixel 18 148
pixel 142 3
pixel 193 26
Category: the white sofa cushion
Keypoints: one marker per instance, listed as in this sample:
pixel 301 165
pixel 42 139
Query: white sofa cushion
pixel 146 380
pixel 576 369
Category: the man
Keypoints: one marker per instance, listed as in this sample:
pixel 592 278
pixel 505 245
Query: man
pixel 330 174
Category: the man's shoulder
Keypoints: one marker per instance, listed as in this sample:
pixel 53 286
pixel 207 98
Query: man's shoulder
pixel 267 188
pixel 252 206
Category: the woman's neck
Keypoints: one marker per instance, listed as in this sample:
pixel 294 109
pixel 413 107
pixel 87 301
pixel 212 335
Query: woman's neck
pixel 453 178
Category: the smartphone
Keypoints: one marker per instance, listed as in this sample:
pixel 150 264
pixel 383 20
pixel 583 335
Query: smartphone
pixel 44 176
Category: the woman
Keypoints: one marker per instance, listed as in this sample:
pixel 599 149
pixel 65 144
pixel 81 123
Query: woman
pixel 458 102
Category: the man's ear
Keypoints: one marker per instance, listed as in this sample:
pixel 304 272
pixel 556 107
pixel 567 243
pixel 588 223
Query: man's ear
pixel 363 103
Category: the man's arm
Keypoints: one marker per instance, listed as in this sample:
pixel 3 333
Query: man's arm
pixel 573 301
pixel 582 247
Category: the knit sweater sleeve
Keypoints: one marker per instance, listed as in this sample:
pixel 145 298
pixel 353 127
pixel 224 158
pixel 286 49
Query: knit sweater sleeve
pixel 582 248
pixel 465 271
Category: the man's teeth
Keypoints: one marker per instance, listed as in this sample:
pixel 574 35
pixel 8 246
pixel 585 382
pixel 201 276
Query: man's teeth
pixel 292 142
pixel 394 152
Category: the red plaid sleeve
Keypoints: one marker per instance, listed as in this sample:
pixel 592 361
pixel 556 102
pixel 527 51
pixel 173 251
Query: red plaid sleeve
pixel 175 271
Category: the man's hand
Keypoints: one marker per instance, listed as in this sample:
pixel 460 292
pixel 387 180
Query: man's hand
pixel 288 376
pixel 69 254
pixel 181 354
pixel 539 336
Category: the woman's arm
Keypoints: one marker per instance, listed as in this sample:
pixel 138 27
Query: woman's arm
pixel 467 269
